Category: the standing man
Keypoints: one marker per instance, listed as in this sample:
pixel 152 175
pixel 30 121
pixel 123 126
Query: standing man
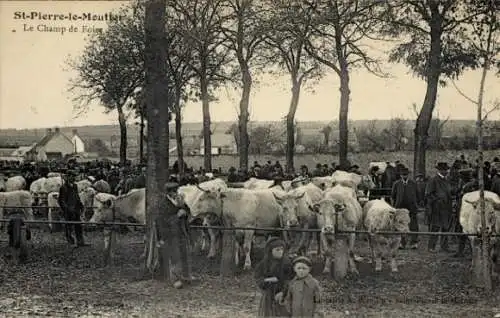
pixel 175 218
pixel 404 196
pixel 439 210
pixel 72 207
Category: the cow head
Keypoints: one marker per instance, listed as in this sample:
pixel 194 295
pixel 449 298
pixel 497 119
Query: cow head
pixel 209 201
pixel 366 183
pixel 103 208
pixel 290 205
pixel 331 212
pixel 400 220
pixel 87 198
pixel 491 209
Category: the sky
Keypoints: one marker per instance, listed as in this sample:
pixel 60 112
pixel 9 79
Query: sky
pixel 34 80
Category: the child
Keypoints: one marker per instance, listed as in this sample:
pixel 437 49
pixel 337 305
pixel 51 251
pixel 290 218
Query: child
pixel 303 292
pixel 271 275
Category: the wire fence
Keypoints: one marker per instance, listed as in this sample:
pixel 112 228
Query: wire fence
pixel 222 228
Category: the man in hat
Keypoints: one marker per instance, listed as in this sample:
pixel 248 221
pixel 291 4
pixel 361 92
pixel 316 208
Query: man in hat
pixel 72 207
pixel 175 219
pixel 404 196
pixel 439 206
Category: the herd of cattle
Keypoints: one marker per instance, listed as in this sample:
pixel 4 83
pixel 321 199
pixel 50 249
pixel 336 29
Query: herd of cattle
pixel 335 205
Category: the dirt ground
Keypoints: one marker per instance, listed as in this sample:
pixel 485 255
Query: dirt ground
pixel 61 281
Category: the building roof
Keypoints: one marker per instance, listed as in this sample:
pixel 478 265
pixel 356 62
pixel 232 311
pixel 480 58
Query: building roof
pixel 21 151
pixel 48 137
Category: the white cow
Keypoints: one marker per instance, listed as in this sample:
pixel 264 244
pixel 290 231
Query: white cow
pixel 126 206
pixel 243 208
pixel 15 183
pixel 190 194
pixel 301 201
pixel 380 216
pixel 54 174
pixel 12 199
pixel 52 184
pixel 339 206
pixel 470 219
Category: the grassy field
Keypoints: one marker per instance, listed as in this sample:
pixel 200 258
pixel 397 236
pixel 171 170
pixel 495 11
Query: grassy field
pixel 62 281
pixel 361 159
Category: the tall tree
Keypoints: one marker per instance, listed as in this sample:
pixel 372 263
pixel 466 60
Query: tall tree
pixel 339 30
pixel 484 36
pixel 290 25
pixel 181 75
pixel 200 22
pixel 434 49
pixel 245 34
pixel 110 69
pixel 158 116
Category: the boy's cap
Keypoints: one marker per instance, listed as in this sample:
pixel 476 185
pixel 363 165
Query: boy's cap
pixel 303 260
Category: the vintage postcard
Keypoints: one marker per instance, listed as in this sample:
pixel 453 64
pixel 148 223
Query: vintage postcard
pixel 282 118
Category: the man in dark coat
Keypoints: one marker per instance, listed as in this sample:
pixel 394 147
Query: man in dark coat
pixel 404 196
pixel 177 230
pixel 72 207
pixel 439 206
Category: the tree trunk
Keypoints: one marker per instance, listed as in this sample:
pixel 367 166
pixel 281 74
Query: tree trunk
pixel 484 278
pixel 158 135
pixel 344 117
pixel 123 135
pixel 207 138
pixel 141 139
pixel 244 141
pixel 290 127
pixel 425 115
pixel 178 135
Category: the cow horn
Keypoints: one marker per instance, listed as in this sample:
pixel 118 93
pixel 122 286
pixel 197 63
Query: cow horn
pixel 200 188
pixel 277 197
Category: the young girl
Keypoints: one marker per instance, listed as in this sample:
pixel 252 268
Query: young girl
pixel 303 293
pixel 272 274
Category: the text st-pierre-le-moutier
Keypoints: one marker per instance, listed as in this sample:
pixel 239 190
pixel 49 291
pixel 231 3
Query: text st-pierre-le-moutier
pixel 19 15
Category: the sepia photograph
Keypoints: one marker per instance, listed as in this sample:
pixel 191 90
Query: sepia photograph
pixel 250 158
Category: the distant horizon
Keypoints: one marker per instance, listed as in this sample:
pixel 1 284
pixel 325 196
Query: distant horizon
pixel 227 121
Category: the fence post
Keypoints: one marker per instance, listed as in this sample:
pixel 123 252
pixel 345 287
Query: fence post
pixel 109 251
pixel 341 252
pixel 228 249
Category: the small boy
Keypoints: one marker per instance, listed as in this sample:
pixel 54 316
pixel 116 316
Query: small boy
pixel 303 293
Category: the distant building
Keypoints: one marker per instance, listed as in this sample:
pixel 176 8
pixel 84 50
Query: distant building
pixel 78 144
pixel 222 144
pixel 54 145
